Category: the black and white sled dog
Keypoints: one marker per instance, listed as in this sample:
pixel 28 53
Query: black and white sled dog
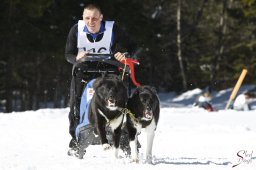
pixel 109 99
pixel 144 106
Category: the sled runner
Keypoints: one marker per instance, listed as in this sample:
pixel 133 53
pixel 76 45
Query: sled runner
pixel 85 133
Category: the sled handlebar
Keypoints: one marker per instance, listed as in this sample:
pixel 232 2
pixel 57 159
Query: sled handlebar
pixel 110 59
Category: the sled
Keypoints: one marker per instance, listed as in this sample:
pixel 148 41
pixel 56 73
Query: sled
pixel 85 133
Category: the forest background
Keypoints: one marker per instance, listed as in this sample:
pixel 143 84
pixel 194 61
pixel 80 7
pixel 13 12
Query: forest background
pixel 183 44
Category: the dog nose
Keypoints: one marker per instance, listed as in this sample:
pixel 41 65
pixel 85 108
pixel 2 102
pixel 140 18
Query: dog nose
pixel 148 108
pixel 110 97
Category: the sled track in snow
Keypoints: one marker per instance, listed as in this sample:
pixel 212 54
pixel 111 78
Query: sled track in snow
pixel 191 161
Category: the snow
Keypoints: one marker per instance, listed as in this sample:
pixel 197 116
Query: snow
pixel 186 138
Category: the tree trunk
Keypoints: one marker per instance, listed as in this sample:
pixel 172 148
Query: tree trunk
pixel 57 96
pixel 222 31
pixel 184 79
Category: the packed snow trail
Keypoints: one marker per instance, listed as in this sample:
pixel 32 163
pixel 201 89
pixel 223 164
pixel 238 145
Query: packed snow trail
pixel 186 138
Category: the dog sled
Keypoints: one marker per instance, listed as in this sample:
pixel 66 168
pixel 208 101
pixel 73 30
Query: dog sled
pixel 85 132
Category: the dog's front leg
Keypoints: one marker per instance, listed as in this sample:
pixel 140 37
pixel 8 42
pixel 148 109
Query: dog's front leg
pixel 103 136
pixel 101 128
pixel 133 137
pixel 116 126
pixel 134 149
pixel 150 138
pixel 116 140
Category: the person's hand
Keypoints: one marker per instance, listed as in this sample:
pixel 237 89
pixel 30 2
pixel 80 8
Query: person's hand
pixel 80 55
pixel 120 56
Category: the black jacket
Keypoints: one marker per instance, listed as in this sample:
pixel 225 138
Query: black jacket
pixel 121 43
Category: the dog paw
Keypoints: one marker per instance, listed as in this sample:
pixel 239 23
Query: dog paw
pixel 106 146
pixel 148 160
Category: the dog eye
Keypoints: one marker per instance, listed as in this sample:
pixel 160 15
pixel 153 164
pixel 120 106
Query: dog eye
pixel 143 100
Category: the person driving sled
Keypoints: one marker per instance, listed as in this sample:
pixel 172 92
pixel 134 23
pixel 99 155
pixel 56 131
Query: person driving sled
pixel 91 35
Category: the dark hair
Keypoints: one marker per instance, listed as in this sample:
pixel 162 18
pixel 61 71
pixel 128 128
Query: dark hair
pixel 93 6
pixel 250 94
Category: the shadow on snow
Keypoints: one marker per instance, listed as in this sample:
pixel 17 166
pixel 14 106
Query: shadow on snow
pixel 191 161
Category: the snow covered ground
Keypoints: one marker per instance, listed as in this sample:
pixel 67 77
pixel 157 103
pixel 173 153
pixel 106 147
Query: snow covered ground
pixel 186 138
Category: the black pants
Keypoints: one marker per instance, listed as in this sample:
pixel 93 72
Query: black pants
pixel 80 77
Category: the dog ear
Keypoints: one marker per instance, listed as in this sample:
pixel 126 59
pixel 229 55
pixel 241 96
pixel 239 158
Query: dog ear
pixel 97 82
pixel 115 77
pixel 134 92
pixel 110 76
pixel 151 88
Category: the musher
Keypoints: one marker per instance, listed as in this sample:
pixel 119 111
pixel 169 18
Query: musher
pixel 91 35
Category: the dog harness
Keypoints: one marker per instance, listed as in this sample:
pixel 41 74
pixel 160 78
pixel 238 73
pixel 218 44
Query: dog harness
pixel 127 111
